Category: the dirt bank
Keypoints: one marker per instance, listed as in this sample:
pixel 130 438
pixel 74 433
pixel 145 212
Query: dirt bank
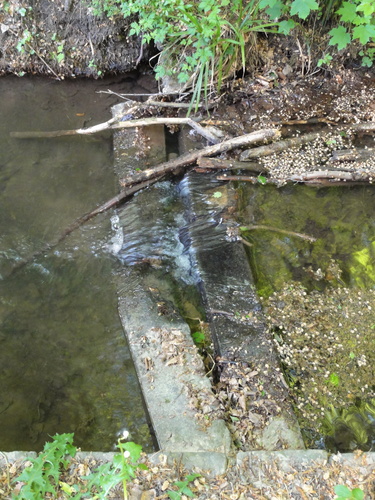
pixel 63 38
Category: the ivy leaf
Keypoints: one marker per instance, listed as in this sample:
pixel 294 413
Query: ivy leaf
pixel 364 33
pixel 368 8
pixel 347 12
pixel 339 37
pixel 285 27
pixel 302 8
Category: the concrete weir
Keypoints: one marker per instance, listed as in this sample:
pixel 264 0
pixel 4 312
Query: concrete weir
pixel 170 370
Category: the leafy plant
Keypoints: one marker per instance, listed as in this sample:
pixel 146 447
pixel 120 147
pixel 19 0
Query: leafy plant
pixel 199 338
pixel 43 475
pixel 183 488
pixel 203 42
pixel 24 42
pixel 93 65
pixel 326 60
pixel 344 493
pixel 357 18
pixel 120 470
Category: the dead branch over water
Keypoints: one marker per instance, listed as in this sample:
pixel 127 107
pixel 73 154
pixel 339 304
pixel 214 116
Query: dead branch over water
pixel 191 157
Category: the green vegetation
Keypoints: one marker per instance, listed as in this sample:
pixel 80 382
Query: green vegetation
pixel 44 475
pixel 204 42
pixel 183 488
pixel 344 493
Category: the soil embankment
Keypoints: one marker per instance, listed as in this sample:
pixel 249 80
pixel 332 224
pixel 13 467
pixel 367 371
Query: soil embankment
pixel 64 38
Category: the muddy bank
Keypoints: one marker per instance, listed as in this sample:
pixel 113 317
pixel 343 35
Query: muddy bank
pixel 64 39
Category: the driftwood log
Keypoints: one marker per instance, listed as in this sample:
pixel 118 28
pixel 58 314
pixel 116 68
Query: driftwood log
pixel 277 147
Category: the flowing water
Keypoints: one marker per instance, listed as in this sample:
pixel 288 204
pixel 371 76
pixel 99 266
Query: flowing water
pixel 64 362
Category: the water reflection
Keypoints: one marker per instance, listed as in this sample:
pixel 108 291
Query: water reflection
pixel 64 362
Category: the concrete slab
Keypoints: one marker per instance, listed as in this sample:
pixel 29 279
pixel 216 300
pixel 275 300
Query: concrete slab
pixel 171 374
pixel 176 392
pixel 233 308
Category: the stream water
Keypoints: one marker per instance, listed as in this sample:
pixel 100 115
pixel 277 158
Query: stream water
pixel 64 362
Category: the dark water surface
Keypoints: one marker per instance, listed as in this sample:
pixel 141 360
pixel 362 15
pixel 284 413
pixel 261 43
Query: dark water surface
pixel 64 362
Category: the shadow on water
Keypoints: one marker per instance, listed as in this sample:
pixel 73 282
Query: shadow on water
pixel 64 362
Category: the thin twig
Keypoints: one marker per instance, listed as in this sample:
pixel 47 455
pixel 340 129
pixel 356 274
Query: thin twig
pixel 277 230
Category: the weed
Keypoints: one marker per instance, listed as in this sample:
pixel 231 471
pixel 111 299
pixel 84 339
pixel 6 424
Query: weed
pixel 183 488
pixel 205 42
pixel 43 475
pixel 199 338
pixel 120 470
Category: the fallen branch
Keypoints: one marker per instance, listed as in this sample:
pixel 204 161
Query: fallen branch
pixel 277 230
pixel 293 142
pixel 191 157
pixel 277 147
pixel 336 175
pixel 113 202
pixel 218 164
pixel 115 124
pixel 242 178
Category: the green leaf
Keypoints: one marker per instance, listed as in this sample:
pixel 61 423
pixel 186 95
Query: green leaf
pixel 274 8
pixel 261 179
pixel 192 477
pixel 364 33
pixel 325 60
pixel 334 379
pixel 339 37
pixel 173 495
pixel 342 491
pixel 285 27
pixel 187 491
pixel 134 449
pixel 347 12
pixel 217 194
pixel 358 494
pixel 198 337
pixel 368 8
pixel 302 8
